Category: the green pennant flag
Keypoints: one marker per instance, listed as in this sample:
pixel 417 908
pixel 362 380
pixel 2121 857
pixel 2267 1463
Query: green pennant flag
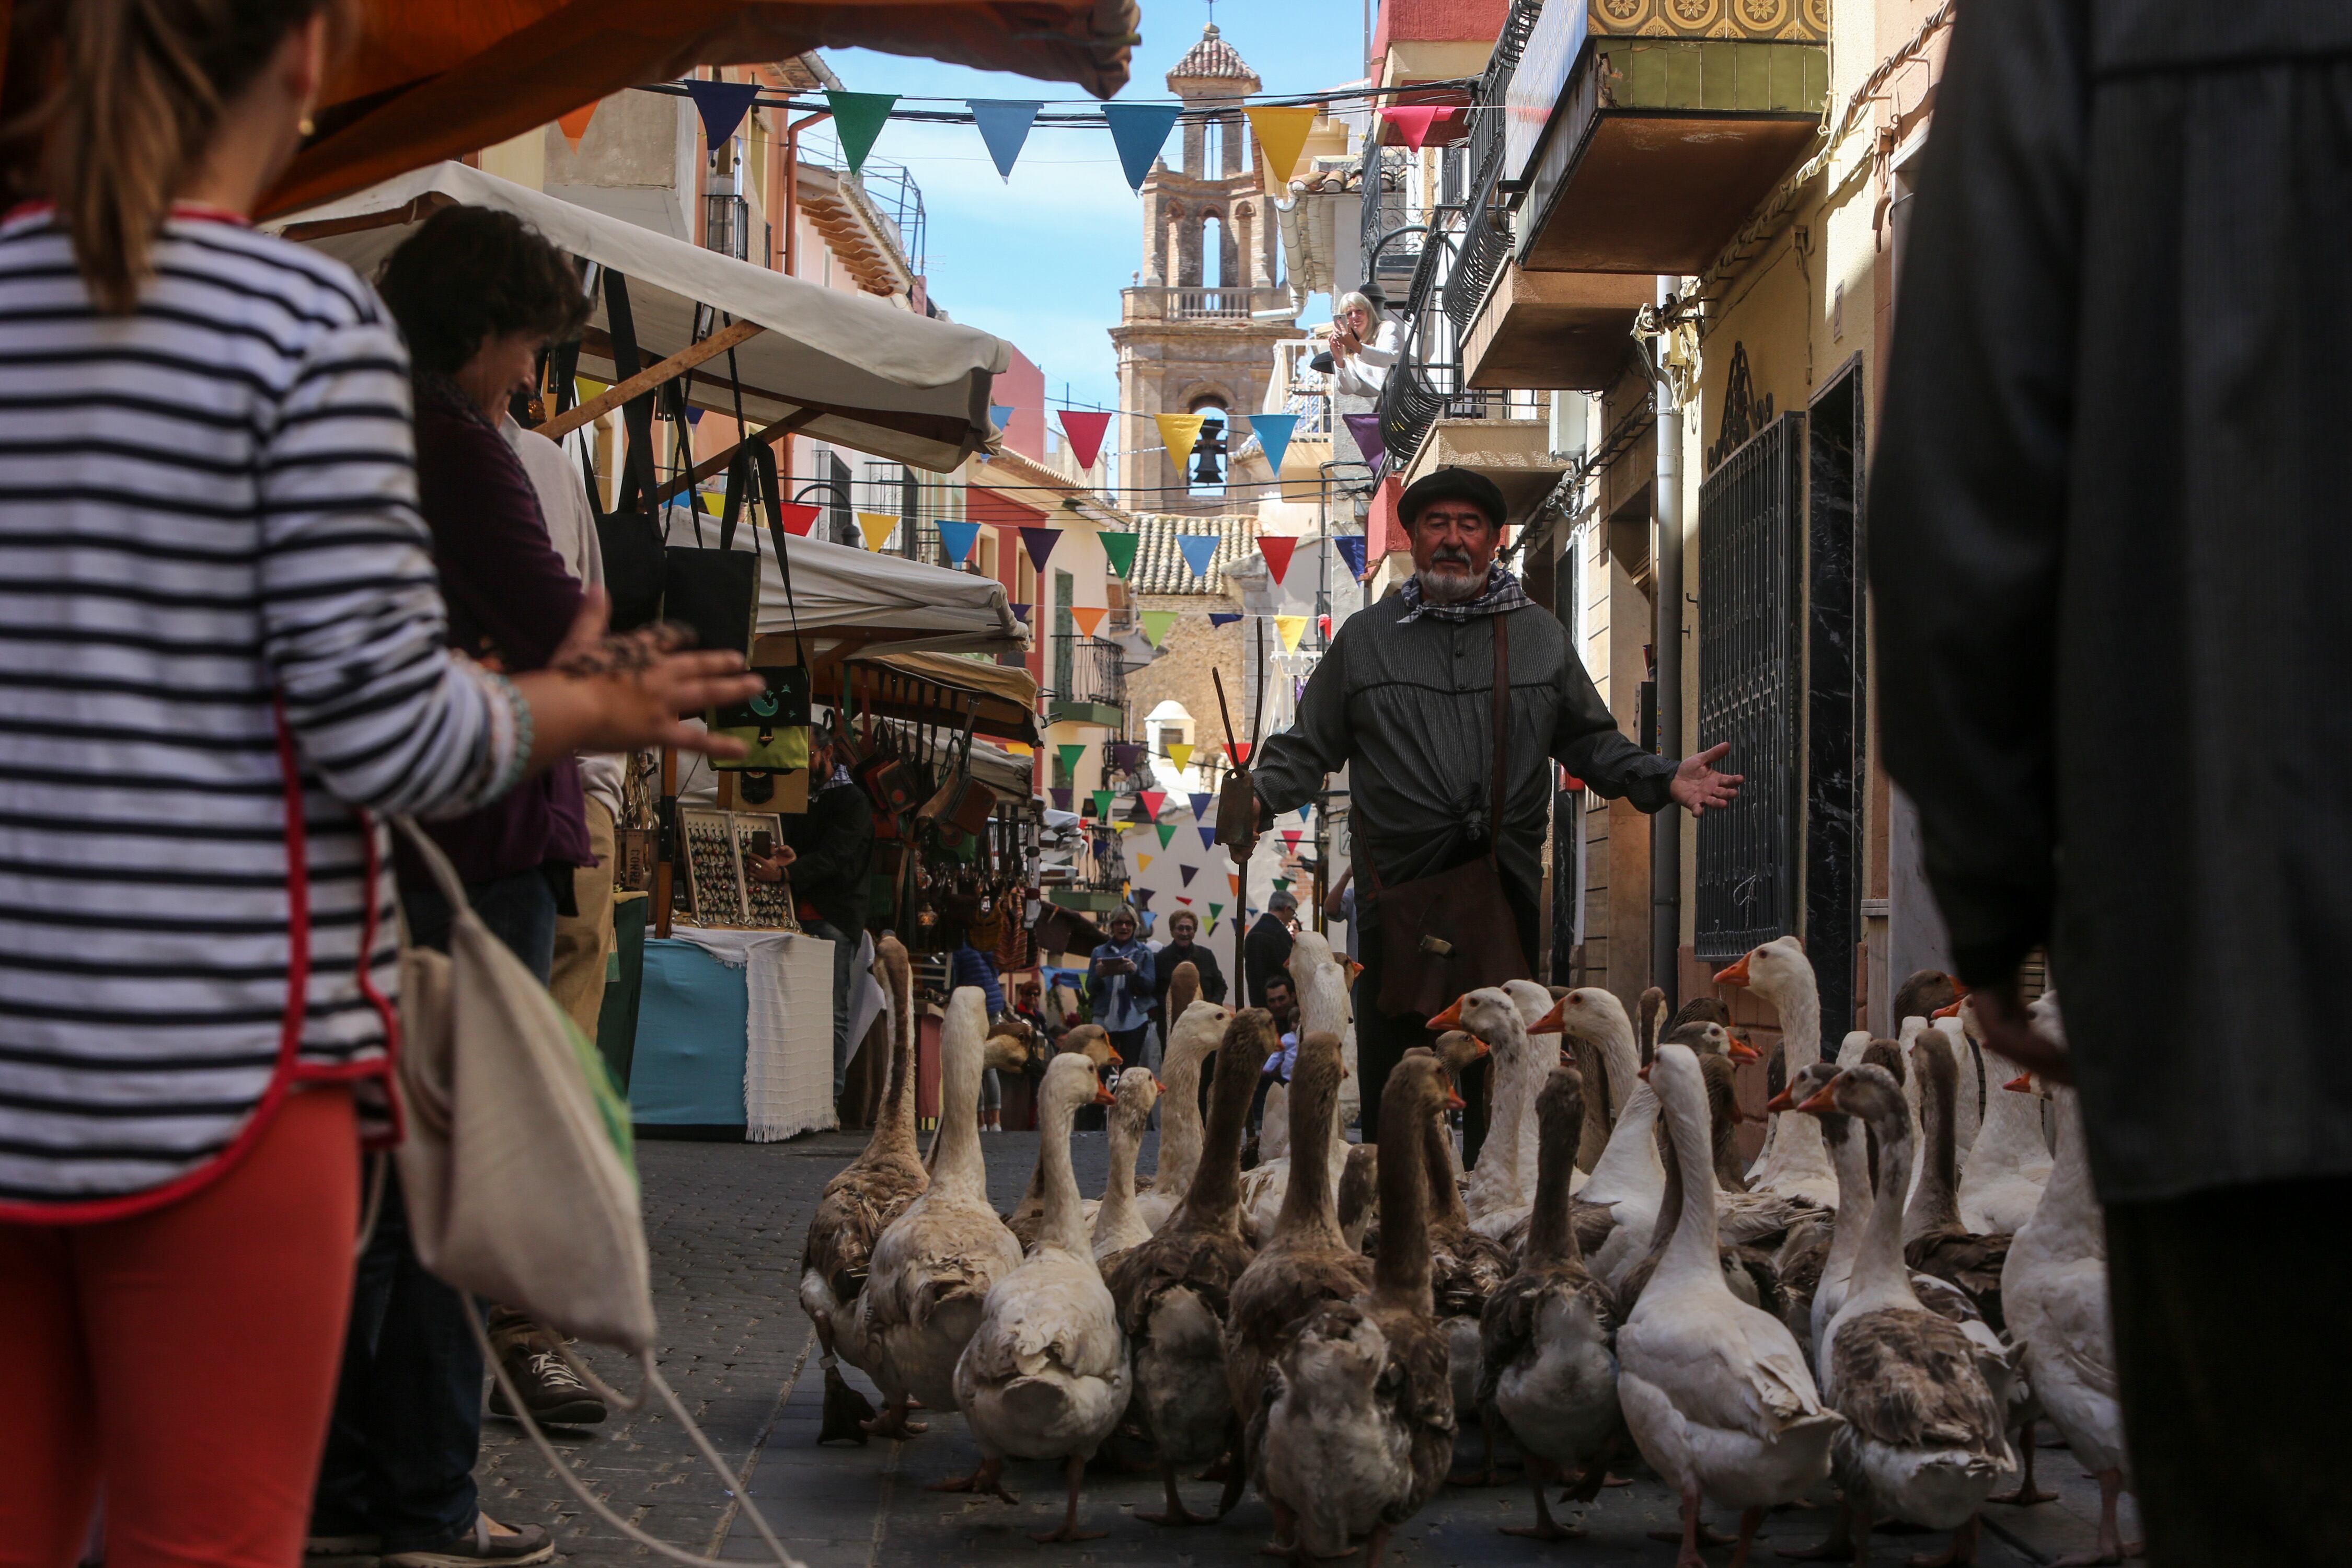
pixel 1216 910
pixel 1282 882
pixel 1070 753
pixel 1120 549
pixel 1156 624
pixel 1102 804
pixel 858 118
pixel 1166 830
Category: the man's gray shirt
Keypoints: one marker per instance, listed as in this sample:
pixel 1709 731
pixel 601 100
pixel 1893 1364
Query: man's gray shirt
pixel 1408 707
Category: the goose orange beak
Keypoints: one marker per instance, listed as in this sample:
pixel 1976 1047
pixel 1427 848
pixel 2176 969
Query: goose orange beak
pixel 1780 1101
pixel 1116 1059
pixel 1551 1023
pixel 1821 1102
pixel 1741 1051
pixel 1102 1094
pixel 1449 1019
pixel 1158 1087
pixel 1953 1011
pixel 1645 1074
pixel 1454 1102
pixel 1354 968
pixel 1736 974
pixel 1483 1050
pixel 2023 1083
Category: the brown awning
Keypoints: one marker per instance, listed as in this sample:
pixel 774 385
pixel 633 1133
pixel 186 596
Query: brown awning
pixel 429 79
pixel 939 687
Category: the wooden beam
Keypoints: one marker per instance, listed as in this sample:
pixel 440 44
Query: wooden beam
pixel 646 379
pixel 709 466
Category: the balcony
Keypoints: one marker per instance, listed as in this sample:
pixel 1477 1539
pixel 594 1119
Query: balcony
pixel 1089 683
pixel 1641 145
pixel 1566 330
pixel 1152 303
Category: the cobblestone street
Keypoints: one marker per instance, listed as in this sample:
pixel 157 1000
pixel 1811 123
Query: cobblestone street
pixel 726 1222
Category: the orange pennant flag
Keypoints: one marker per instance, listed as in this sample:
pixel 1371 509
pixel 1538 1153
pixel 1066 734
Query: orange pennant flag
pixel 574 125
pixel 1088 616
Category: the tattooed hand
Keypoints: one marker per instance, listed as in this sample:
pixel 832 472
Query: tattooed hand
pixel 625 691
pixel 587 653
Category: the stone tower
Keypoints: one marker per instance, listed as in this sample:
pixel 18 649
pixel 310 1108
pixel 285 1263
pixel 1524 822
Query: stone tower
pixel 1186 343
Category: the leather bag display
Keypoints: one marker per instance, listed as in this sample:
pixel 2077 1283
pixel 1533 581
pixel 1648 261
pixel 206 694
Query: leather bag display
pixel 1446 934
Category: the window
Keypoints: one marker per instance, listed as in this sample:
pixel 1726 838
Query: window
pixel 1065 631
pixel 1212 252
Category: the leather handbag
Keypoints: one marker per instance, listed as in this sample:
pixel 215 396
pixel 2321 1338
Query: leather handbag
pixel 1452 933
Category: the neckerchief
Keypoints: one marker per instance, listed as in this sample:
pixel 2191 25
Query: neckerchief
pixel 1502 594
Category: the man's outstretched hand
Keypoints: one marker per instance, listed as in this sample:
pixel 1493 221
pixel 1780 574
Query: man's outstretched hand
pixel 1696 786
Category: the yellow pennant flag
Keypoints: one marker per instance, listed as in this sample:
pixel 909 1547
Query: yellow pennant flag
pixel 877 527
pixel 1143 862
pixel 1292 629
pixel 1181 753
pixel 1282 134
pixel 714 502
pixel 1180 431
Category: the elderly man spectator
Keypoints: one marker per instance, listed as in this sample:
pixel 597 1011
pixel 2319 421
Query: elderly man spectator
pixel 1267 949
pixel 1406 700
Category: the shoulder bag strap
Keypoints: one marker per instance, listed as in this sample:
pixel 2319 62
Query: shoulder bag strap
pixel 1502 731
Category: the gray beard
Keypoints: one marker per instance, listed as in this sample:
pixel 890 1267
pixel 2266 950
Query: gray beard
pixel 1451 588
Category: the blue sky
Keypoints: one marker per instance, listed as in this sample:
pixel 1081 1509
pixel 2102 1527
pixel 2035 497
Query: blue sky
pixel 1040 262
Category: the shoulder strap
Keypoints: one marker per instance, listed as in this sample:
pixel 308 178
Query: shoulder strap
pixel 1502 729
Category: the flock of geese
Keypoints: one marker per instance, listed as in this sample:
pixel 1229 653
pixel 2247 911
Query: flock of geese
pixel 1905 1281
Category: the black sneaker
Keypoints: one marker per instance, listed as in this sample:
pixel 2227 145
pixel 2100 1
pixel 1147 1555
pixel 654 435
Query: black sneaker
pixel 515 1545
pixel 550 1390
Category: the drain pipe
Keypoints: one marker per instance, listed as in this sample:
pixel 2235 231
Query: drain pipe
pixel 1666 637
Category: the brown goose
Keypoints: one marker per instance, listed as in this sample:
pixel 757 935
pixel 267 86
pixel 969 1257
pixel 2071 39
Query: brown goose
pixel 1934 1240
pixel 1548 1335
pixel 1173 1289
pixel 857 1205
pixel 1309 1261
pixel 1357 1430
pixel 1464 1267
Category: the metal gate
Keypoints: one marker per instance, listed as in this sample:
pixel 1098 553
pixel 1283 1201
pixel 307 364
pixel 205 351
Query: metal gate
pixel 1749 619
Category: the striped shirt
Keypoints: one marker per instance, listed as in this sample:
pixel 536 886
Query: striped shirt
pixel 207 517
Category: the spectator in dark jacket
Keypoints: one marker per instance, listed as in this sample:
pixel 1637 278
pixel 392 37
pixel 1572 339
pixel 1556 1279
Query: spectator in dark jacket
pixel 828 851
pixel 967 965
pixel 1267 946
pixel 1184 946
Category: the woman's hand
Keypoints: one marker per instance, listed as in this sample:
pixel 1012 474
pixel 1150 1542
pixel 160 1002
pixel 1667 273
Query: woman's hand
pixel 625 692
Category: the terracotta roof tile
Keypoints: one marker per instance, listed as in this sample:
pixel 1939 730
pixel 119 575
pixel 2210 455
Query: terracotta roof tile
pixel 1159 564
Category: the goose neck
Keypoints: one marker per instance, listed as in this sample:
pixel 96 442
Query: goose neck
pixel 1214 1195
pixel 1695 1243
pixel 1180 1120
pixel 1065 1223
pixel 1552 1233
pixel 1852 1161
pixel 956 1164
pixel 1310 1205
pixel 894 1124
pixel 1878 1265
pixel 1401 1271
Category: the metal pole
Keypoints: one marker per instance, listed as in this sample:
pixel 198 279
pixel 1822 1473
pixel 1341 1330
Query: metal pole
pixel 1666 828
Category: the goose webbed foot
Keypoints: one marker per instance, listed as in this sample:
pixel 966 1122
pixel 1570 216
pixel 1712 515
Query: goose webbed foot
pixel 1375 1545
pixel 989 1478
pixel 1177 1515
pixel 1069 1530
pixel 1961 1552
pixel 1750 1520
pixel 1838 1547
pixel 893 1422
pixel 848 1414
pixel 2112 1546
pixel 1704 1535
pixel 2024 1494
pixel 1540 1473
pixel 1692 1534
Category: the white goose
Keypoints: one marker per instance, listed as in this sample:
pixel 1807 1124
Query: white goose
pixel 1714 1391
pixel 1923 1440
pixel 2011 1166
pixel 1190 1040
pixel 1502 1187
pixel 2054 1288
pixel 1115 1225
pixel 933 1267
pixel 1794 1164
pixel 1044 1374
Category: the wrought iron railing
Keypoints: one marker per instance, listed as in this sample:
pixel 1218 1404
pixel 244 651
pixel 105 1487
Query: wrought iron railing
pixel 1387 210
pixel 727 224
pixel 1088 669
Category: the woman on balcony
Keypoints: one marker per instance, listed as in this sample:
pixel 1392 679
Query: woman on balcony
pixel 1360 354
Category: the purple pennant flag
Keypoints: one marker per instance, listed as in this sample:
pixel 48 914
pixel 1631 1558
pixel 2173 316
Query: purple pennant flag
pixel 1208 838
pixel 1127 756
pixel 1061 797
pixel 1366 429
pixel 1140 897
pixel 1351 551
pixel 1186 871
pixel 1226 619
pixel 1041 542
pixel 722 105
pixel 1021 612
pixel 1200 806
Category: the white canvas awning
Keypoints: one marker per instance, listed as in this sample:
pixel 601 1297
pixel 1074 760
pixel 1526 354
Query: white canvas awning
pixel 883 380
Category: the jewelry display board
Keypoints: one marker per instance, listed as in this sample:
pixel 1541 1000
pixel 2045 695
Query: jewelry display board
pixel 724 896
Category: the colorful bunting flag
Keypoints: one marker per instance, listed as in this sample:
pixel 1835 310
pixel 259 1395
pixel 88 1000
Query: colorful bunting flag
pixel 1166 830
pixel 1119 548
pixel 1224 618
pixel 1083 430
pixel 574 125
pixel 877 527
pixel 1323 627
pixel 1143 862
pixel 957 539
pixel 1140 896
pixel 1237 753
pixel 1142 817
pixel 1179 752
pixel 1139 130
pixel 1199 550
pixel 1366 429
pixel 1061 794
pixel 1201 803
pixel 1290 838
pixel 1233 880
pixel 1152 799
pixel 1088 616
pixel 1180 432
pixel 1183 899
pixel 1041 542
pixel 1412 121
pixel 857 119
pixel 1215 909
pixel 798 518
pixel 1281 882
pixel 1000 414
pixel 1351 551
pixel 1208 838
pixel 1102 804
pixel 1303 811
pixel 722 105
pixel 1156 624
pixel 1187 873
pixel 1003 125
pixel 1070 751
pixel 1290 628
pixel 1277 549
pixel 1282 130
pixel 1020 611
pixel 1274 435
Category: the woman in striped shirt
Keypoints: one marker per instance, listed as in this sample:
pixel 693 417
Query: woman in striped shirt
pixel 222 655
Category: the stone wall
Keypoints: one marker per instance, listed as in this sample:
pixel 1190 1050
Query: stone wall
pixel 1181 672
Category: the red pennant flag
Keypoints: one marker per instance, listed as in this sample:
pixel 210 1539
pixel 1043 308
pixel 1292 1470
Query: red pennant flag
pixel 1323 624
pixel 1276 549
pixel 1290 838
pixel 1414 121
pixel 1084 432
pixel 1182 899
pixel 798 518
pixel 1153 800
pixel 1238 752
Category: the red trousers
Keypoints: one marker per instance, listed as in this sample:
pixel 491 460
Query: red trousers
pixel 182 1361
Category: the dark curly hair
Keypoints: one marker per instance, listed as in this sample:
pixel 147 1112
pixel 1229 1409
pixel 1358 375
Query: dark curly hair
pixel 475 273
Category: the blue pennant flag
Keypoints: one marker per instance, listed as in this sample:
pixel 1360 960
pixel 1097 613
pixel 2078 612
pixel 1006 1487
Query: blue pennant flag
pixel 1139 130
pixel 1351 549
pixel 1224 619
pixel 1305 809
pixel 1274 435
pixel 1000 414
pixel 722 105
pixel 1004 125
pixel 1200 806
pixel 957 539
pixel 1198 549
pixel 1208 838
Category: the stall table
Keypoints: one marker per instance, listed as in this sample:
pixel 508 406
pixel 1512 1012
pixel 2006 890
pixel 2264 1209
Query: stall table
pixel 734 1035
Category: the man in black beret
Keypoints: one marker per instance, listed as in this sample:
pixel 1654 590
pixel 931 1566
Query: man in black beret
pixel 1406 700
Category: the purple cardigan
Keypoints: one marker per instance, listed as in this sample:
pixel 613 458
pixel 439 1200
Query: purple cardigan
pixel 512 603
